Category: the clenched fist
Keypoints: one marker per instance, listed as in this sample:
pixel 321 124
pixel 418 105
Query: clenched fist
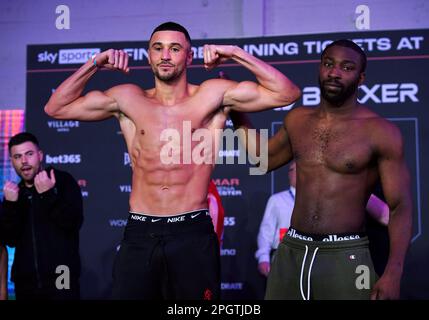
pixel 42 182
pixel 113 59
pixel 10 191
pixel 216 54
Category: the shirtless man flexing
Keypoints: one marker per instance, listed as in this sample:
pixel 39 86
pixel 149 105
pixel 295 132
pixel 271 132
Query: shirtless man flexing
pixel 169 248
pixel 341 150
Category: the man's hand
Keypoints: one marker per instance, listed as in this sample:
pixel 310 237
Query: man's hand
pixel 42 182
pixel 113 59
pixel 10 191
pixel 215 55
pixel 264 268
pixel 386 288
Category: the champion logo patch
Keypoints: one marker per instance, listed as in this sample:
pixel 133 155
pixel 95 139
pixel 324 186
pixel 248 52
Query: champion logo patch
pixel 208 295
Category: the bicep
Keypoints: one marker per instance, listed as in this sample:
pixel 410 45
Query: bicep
pixel 395 181
pixel 393 171
pixel 248 96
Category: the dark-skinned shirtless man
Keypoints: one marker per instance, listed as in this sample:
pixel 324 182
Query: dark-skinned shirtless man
pixel 341 149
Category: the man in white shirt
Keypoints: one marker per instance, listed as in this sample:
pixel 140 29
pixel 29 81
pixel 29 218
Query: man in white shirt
pixel 275 222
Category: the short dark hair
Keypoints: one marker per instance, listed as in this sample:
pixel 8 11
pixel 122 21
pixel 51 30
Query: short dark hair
pixel 172 26
pixel 21 138
pixel 348 44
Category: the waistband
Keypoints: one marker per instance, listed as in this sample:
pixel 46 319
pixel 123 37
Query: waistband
pixel 184 217
pixel 295 234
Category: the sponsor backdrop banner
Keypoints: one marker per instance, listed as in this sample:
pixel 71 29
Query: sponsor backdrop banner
pixel 95 153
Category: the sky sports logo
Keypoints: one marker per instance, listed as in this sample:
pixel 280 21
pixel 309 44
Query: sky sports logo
pixel 72 56
pixel 68 56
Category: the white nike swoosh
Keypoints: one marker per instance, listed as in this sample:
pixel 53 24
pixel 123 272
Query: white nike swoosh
pixel 155 220
pixel 195 215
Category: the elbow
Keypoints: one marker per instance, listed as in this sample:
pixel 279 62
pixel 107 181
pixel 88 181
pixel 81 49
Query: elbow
pixel 294 94
pixel 51 110
pixel 297 93
pixel 270 168
pixel 290 94
pixel 52 106
pixel 48 110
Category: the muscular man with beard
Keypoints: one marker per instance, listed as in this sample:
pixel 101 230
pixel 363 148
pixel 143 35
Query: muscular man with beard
pixel 170 250
pixel 341 149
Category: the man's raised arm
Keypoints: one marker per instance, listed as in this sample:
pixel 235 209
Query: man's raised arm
pixel 67 101
pixel 273 89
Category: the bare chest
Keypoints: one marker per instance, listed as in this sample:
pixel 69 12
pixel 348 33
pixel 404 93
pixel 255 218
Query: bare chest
pixel 343 147
pixel 148 127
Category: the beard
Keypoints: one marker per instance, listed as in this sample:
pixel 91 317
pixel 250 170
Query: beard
pixel 167 76
pixel 341 94
pixel 29 174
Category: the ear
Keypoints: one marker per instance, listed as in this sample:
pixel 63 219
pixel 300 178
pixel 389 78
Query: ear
pixel 40 152
pixel 361 78
pixel 189 57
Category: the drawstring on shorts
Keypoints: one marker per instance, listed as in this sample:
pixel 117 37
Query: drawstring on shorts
pixel 309 273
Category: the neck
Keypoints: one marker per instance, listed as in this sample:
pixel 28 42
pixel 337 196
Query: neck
pixel 172 92
pixel 29 184
pixel 345 107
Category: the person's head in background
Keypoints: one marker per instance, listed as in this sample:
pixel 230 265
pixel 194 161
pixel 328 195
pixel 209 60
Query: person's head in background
pixel 26 156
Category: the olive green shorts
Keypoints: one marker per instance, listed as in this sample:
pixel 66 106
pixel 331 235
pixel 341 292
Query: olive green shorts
pixel 303 270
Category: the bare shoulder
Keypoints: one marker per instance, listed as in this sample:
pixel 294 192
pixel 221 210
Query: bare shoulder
pixel 297 114
pixel 386 136
pixel 377 123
